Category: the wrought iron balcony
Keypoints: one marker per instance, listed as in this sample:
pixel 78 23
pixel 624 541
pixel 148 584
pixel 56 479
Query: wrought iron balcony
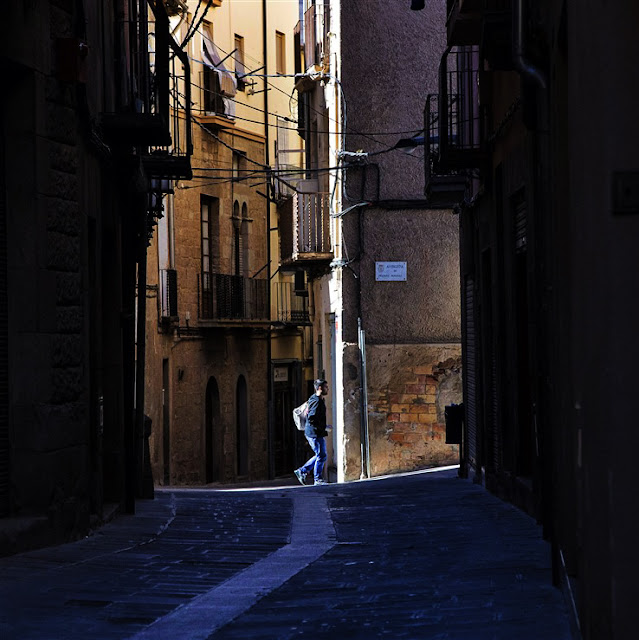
pixel 172 84
pixel 443 188
pixel 168 294
pixel 291 304
pixel 454 121
pixel 305 229
pixel 460 122
pixel 154 110
pixel 231 299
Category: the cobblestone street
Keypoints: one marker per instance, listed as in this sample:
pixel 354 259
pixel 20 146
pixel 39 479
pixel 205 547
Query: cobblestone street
pixel 422 556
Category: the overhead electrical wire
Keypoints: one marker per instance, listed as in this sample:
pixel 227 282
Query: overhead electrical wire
pixel 295 128
pixel 345 132
pixel 267 83
pixel 188 35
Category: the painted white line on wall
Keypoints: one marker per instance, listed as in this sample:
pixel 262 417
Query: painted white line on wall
pixel 312 535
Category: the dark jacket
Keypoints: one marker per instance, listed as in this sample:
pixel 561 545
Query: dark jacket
pixel 316 417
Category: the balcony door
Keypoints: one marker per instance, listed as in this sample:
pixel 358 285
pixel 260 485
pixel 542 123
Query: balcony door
pixel 210 247
pixel 242 429
pixel 213 435
pixel 239 265
pixel 289 446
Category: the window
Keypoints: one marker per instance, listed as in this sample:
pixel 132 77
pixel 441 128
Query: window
pixel 210 221
pixel 211 83
pixel 238 166
pixel 237 241
pixel 207 35
pixel 245 240
pixel 209 215
pixel 206 238
pixel 242 427
pixel 239 62
pixel 280 52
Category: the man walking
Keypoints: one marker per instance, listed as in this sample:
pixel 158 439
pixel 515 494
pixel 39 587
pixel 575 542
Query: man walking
pixel 315 432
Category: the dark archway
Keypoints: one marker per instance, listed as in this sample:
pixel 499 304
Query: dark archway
pixel 242 435
pixel 213 436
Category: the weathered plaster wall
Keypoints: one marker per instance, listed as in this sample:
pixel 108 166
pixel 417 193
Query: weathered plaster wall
pixel 390 64
pixel 409 387
pixel 390 61
pixel 424 308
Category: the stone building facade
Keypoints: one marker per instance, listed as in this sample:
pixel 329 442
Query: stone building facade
pixel 73 212
pixel 208 359
pixel 549 228
pixel 225 328
pixel 390 347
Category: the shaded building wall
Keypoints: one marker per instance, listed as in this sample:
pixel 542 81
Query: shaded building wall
pixel 564 315
pixel 602 107
pixel 64 268
pixel 389 66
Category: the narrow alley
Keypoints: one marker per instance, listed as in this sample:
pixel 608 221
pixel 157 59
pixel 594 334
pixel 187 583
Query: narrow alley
pixel 422 556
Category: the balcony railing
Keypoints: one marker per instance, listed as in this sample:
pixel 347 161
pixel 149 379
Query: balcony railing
pixel 291 305
pixel 154 103
pixel 305 228
pixel 168 293
pixel 316 28
pixel 459 125
pixel 443 187
pixel 227 297
pixel 171 82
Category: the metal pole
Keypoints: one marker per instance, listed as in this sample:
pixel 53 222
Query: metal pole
pixel 365 446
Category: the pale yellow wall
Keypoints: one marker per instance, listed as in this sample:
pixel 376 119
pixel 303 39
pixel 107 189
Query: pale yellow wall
pixel 245 19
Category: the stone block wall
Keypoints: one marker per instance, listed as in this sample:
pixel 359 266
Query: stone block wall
pixel 204 352
pixel 192 363
pixel 46 227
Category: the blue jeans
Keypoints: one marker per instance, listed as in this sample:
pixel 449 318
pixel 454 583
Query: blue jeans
pixel 316 463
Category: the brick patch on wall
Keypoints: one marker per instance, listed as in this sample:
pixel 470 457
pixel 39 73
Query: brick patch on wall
pixel 406 409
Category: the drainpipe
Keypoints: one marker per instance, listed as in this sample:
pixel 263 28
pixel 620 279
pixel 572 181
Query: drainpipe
pixel 267 162
pixel 523 66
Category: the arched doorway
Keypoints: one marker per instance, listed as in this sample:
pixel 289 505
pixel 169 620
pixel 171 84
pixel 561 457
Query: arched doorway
pixel 213 436
pixel 242 436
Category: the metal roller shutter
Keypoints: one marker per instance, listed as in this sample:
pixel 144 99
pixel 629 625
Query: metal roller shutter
pixel 470 370
pixel 4 343
pixel 494 404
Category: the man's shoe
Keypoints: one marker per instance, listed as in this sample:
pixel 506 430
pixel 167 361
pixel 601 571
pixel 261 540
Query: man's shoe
pixel 300 475
pixel 320 482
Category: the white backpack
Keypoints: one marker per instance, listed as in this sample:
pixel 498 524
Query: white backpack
pixel 299 416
